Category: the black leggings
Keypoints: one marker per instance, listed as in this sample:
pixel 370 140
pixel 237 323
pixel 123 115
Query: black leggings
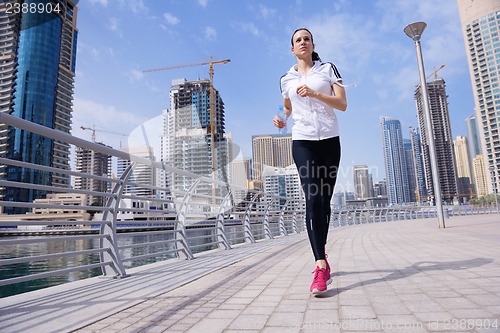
pixel 317 163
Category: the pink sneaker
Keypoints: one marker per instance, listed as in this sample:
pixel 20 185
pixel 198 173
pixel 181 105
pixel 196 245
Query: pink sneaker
pixel 319 281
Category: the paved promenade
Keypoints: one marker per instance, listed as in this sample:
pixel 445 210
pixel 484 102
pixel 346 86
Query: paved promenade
pixel 402 276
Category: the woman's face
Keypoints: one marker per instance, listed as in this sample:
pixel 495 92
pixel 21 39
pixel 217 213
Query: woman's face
pixel 302 44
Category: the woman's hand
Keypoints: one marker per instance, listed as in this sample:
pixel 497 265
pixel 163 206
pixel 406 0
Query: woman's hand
pixel 278 122
pixel 305 91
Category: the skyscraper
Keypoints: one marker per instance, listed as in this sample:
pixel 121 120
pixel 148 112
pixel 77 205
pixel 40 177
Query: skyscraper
pixel 363 184
pixel 480 26
pixel 37 66
pixel 141 175
pixel 464 168
pixel 396 168
pixel 186 142
pixel 480 176
pixel 283 182
pixel 440 120
pixel 92 163
pixel 270 150
pixel 473 136
pixel 240 176
pixel 410 167
pixel 418 166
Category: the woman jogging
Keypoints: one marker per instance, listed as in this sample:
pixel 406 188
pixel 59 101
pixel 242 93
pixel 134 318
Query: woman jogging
pixel 312 90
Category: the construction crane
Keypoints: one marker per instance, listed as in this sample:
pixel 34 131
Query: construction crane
pixel 212 95
pixel 93 129
pixel 435 72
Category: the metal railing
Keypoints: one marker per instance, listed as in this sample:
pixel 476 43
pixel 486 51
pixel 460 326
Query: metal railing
pixel 178 224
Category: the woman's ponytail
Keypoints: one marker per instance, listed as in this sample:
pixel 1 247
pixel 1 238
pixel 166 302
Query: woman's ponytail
pixel 315 56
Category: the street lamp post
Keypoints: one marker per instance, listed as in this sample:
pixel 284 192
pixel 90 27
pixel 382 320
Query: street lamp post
pixel 414 31
pixel 494 185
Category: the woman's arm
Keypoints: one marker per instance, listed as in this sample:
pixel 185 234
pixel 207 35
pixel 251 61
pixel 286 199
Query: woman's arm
pixel 338 100
pixel 288 107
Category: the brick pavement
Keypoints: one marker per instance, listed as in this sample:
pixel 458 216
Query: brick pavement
pixel 402 276
pixel 397 276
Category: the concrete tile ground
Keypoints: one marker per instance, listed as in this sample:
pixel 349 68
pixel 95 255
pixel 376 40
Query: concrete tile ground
pixel 403 276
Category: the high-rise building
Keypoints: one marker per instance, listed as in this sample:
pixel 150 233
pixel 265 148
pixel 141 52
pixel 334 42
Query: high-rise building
pixel 480 176
pixel 396 168
pixel 92 163
pixel 473 136
pixel 464 168
pixel 480 26
pixel 418 166
pixel 270 150
pixel 240 176
pixel 363 184
pixel 440 120
pixel 411 172
pixel 37 68
pixel 142 177
pixel 380 189
pixel 187 142
pixel 283 182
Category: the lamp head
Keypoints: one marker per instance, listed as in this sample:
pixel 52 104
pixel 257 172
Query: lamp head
pixel 415 30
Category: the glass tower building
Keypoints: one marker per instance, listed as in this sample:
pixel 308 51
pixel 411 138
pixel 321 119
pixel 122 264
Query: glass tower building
pixel 396 168
pixel 37 70
pixel 418 166
pixel 481 27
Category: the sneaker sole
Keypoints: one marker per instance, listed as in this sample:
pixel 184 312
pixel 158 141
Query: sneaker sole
pixel 317 292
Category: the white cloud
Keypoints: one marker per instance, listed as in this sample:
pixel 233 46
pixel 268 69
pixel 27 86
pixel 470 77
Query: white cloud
pixel 106 119
pixel 247 27
pixel 340 4
pixel 171 19
pixel 100 2
pixel 210 33
pixel 136 6
pixel 266 12
pixel 113 24
pixel 203 3
pixel 96 55
pixel 99 54
pixel 109 51
pixel 135 75
pixel 346 40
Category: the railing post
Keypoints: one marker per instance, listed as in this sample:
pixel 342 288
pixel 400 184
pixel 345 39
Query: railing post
pixel 267 230
pixel 180 227
pixel 295 228
pixel 283 231
pixel 109 229
pixel 294 219
pixel 247 229
pixel 221 234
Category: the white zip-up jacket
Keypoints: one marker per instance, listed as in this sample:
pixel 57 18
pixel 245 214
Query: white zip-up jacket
pixel 312 118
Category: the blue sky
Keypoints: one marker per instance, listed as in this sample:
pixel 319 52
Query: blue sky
pixel 118 39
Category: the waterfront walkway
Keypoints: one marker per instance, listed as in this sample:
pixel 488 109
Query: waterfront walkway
pixel 402 276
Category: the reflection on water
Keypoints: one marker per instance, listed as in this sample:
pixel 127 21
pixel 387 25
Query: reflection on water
pixel 200 241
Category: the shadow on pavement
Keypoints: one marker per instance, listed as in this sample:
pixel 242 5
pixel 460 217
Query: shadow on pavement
pixel 418 267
